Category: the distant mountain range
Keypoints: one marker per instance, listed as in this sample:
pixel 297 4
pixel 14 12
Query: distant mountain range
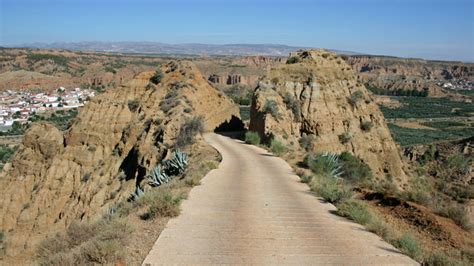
pixel 174 49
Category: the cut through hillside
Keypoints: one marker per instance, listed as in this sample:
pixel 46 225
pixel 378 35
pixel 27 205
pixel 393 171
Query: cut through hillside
pixel 235 124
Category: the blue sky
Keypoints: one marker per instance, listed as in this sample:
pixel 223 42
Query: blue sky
pixel 411 28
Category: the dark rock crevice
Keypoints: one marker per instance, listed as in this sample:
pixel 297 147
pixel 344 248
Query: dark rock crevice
pixel 233 125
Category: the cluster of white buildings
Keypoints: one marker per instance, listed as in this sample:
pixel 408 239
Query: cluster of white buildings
pixel 458 84
pixel 20 105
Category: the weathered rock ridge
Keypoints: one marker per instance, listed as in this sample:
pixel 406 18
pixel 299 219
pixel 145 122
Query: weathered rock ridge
pixel 57 178
pixel 319 95
pixel 241 70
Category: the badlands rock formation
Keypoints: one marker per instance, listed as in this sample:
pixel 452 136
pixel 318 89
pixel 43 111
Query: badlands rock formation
pixel 245 70
pixel 398 73
pixel 57 178
pixel 318 94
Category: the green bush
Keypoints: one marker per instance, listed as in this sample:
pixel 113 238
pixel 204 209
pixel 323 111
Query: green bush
pixel 439 259
pixel 428 156
pixel 293 104
pixel 161 204
pixel 86 244
pixel 353 169
pixel 345 137
pixel 171 94
pixel 110 69
pixel 355 210
pixel 242 100
pixel 356 97
pixel 366 126
pixel 330 189
pixel 380 228
pixel 245 113
pixel 156 78
pixel 277 147
pixel 324 164
pixel 306 179
pixel 293 60
pixel 167 104
pixel 252 138
pixel 419 191
pixel 307 142
pixel 3 246
pixel 409 245
pixel 133 105
pixel 6 152
pixel 271 107
pixel 456 212
pixel 457 164
pixel 189 130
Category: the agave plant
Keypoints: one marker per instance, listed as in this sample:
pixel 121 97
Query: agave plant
pixel 110 213
pixel 333 164
pixel 176 165
pixel 158 177
pixel 325 164
pixel 138 193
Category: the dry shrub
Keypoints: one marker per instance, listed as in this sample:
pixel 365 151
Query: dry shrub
pixel 161 203
pixel 98 243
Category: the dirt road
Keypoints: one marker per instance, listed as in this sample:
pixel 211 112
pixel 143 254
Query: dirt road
pixel 254 210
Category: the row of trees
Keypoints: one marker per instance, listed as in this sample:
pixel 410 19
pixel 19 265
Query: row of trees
pixel 400 92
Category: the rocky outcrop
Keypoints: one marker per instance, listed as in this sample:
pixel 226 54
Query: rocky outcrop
pixel 57 178
pixel 318 94
pixel 240 70
pixel 233 79
pixel 261 61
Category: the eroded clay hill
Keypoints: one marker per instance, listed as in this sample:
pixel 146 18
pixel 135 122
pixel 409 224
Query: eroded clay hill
pixel 57 178
pixel 391 73
pixel 317 94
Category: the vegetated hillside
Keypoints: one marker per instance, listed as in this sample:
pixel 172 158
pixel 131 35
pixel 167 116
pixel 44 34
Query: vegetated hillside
pixel 58 178
pixel 444 182
pixel 315 97
pixel 49 69
pixel 386 75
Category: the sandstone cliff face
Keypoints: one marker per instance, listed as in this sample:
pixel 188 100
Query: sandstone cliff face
pixel 332 105
pixel 57 178
pixel 240 70
pixel 398 73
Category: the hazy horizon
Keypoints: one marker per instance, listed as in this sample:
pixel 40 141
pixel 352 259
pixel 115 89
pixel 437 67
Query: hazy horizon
pixel 439 30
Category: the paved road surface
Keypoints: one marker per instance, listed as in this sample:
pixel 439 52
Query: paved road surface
pixel 254 210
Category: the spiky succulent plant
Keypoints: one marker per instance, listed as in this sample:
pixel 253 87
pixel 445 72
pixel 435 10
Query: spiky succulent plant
pixel 139 192
pixel 157 177
pixel 333 164
pixel 176 165
pixel 326 163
